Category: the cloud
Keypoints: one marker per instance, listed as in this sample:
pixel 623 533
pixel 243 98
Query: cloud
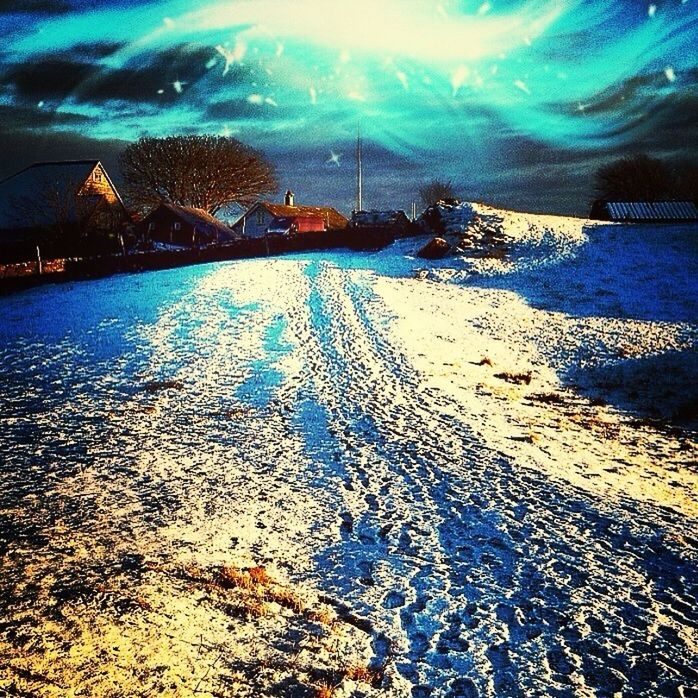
pixel 77 74
pixel 21 148
pixel 24 117
pixel 39 7
pixel 238 108
pixel 51 78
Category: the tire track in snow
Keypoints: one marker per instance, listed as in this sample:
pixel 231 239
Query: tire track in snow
pixel 501 594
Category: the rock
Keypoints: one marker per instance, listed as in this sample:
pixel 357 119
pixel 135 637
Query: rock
pixel 436 248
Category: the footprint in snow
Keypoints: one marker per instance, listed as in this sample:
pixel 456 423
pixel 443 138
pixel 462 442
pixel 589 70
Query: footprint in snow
pixel 394 599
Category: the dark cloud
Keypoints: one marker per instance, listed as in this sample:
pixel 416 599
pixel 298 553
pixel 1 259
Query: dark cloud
pixel 21 148
pixel 102 49
pixel 39 7
pixel 232 109
pixel 75 75
pixel 23 117
pixel 52 78
pixel 60 7
pixel 140 81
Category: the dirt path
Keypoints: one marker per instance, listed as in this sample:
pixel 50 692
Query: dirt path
pixel 269 413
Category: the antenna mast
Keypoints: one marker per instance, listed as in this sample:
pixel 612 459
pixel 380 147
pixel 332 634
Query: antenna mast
pixel 359 182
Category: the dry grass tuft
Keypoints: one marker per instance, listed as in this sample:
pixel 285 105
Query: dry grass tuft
pixel 259 575
pixel 547 398
pixel 324 690
pixel 323 616
pixel 256 608
pixel 235 578
pixel 517 378
pixel 364 674
pixel 286 598
pixel 254 578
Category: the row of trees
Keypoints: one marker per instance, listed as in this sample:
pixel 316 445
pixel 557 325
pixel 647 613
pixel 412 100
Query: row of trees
pixel 643 178
pixel 633 178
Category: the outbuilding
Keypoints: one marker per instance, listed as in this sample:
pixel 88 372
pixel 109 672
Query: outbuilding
pixel 644 211
pixel 184 226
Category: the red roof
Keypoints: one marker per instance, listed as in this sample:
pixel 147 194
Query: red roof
pixel 332 217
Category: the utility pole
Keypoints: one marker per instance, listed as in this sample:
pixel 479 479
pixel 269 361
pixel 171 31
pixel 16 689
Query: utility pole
pixel 359 182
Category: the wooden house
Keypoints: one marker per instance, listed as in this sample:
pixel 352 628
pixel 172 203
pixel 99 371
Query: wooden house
pixel 267 218
pixel 64 197
pixel 183 226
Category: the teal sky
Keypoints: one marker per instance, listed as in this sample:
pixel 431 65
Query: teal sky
pixel 515 102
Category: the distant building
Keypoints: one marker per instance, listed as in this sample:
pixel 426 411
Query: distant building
pixel 64 196
pixel 644 211
pixel 183 226
pixel 394 221
pixel 267 218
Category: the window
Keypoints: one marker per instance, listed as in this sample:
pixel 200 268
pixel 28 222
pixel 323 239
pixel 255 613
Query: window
pixel 97 176
pixel 177 226
pixel 151 227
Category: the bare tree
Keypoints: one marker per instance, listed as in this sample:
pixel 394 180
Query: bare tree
pixel 206 172
pixel 635 178
pixel 436 190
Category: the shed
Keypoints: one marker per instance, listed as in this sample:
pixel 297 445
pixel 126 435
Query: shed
pixel 644 211
pixel 396 220
pixel 184 226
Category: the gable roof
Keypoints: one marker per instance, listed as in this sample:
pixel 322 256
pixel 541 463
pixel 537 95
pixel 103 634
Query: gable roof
pixel 56 179
pixel 370 218
pixel 332 217
pixel 651 210
pixel 202 220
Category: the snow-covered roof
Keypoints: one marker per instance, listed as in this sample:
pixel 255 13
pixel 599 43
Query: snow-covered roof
pixel 332 217
pixel 203 221
pixel 451 217
pixel 368 218
pixel 652 210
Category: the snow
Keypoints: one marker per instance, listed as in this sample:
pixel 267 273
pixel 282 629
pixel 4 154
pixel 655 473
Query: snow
pixel 332 417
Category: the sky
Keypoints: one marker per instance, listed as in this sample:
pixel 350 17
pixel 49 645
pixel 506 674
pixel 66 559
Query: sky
pixel 515 102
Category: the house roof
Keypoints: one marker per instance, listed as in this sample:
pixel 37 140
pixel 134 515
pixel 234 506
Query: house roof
pixel 331 216
pixel 651 210
pixel 21 194
pixel 202 220
pixel 369 218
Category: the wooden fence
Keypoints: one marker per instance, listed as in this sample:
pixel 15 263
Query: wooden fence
pixel 20 275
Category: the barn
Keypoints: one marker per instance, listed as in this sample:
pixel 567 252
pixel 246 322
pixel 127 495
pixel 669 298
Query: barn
pixel 267 218
pixel 644 211
pixel 183 226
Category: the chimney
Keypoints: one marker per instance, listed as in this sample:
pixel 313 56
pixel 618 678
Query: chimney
pixel 288 199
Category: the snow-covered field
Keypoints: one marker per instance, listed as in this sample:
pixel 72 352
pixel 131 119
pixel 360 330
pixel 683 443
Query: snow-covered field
pixel 478 474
